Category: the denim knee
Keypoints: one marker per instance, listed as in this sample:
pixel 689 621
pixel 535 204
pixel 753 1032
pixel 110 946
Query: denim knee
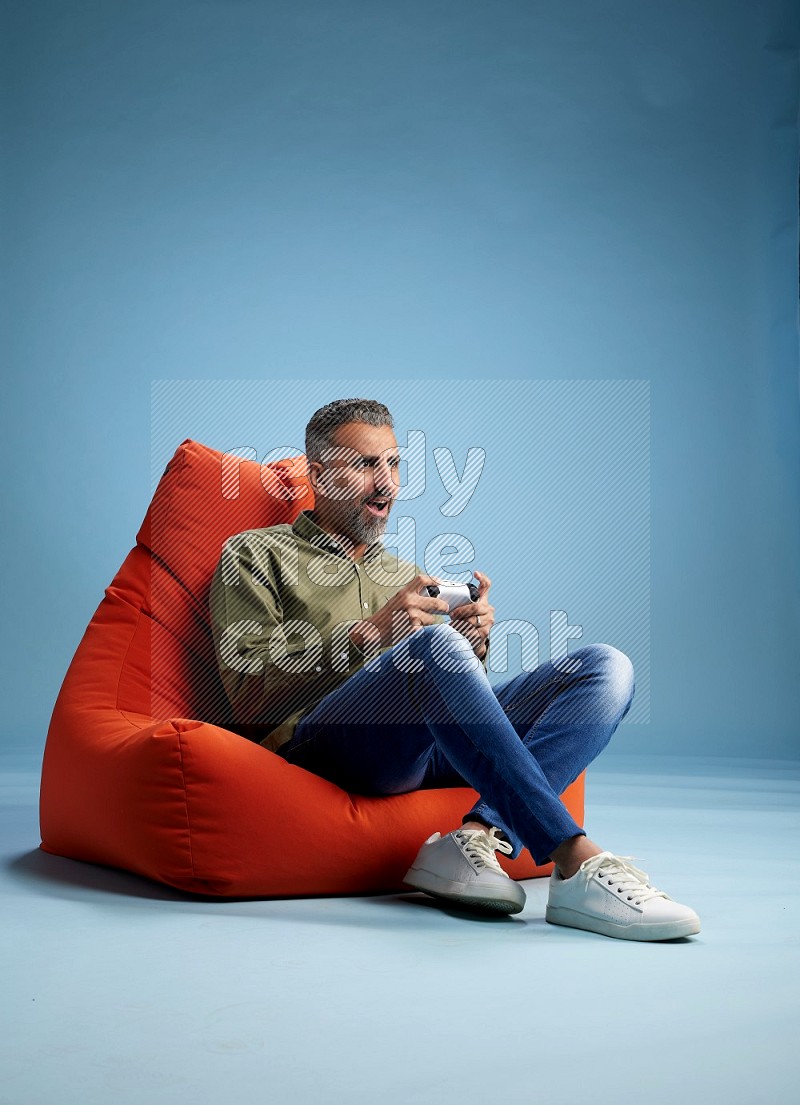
pixel 443 645
pixel 615 667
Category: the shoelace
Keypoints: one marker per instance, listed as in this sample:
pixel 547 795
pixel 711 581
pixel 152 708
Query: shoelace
pixel 480 846
pixel 620 874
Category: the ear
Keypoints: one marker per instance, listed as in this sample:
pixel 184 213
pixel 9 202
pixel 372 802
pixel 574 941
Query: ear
pixel 313 472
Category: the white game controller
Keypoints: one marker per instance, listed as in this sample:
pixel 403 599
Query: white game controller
pixel 454 594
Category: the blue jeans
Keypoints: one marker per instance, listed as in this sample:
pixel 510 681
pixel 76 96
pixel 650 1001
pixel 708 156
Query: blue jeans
pixel 389 729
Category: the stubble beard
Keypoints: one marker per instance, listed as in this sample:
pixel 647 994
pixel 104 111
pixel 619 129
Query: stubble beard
pixel 356 524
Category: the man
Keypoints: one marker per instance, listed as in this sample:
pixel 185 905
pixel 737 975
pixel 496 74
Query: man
pixel 382 696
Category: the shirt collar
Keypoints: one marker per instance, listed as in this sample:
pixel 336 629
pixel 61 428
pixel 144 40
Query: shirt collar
pixel 305 527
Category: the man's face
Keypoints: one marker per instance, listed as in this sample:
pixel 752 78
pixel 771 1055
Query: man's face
pixel 364 467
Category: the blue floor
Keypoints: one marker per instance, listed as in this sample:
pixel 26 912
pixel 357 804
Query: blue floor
pixel 116 989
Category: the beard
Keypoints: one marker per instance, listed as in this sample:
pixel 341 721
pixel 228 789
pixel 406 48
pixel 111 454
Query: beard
pixel 354 522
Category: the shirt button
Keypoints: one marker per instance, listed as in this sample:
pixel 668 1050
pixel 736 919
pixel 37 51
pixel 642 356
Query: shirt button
pixel 317 668
pixel 366 606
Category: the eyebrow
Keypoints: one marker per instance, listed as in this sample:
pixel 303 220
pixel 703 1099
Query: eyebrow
pixel 395 456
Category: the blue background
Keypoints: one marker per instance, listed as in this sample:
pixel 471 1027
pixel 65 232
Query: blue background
pixel 418 192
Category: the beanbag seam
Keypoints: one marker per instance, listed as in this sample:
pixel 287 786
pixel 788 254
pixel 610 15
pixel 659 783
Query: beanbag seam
pixel 134 630
pixel 179 733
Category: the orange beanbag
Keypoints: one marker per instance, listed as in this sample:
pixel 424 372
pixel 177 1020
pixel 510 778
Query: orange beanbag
pixel 142 769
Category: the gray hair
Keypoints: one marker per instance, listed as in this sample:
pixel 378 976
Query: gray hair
pixel 325 422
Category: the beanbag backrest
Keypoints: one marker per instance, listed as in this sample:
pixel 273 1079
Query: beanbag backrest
pixel 203 498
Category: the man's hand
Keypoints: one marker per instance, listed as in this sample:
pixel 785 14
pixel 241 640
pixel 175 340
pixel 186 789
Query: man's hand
pixel 475 619
pixel 402 615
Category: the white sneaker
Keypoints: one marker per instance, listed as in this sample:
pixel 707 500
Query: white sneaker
pixel 607 894
pixel 463 867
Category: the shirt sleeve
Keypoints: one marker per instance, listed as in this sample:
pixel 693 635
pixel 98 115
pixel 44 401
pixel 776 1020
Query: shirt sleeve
pixel 269 673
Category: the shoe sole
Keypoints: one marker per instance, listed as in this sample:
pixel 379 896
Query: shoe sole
pixel 462 893
pixel 664 930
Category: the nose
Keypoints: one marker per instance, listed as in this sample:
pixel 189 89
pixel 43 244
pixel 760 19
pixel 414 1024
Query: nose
pixel 383 477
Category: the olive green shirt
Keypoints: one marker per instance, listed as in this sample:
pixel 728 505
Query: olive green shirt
pixel 283 600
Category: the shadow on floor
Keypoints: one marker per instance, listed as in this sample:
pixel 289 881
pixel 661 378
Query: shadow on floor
pixel 58 877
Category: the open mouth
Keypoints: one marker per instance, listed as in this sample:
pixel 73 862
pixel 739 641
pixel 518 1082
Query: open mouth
pixel 379 507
